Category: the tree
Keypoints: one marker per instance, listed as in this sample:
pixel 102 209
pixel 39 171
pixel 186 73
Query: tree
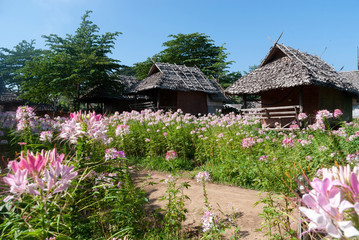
pixel 250 69
pixel 228 79
pixel 13 60
pixel 126 71
pixel 194 49
pixel 73 65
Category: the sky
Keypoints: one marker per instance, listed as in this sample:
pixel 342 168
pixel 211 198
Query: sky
pixel 328 29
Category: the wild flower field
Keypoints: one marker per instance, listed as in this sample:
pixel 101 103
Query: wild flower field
pixel 70 178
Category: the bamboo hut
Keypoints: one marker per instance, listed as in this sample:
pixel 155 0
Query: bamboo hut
pixel 353 78
pixel 289 77
pixel 172 86
pixel 9 100
pixel 105 99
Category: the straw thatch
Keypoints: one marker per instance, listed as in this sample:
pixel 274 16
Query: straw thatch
pixel 352 77
pixel 286 67
pixel 103 92
pixel 178 78
pixel 8 97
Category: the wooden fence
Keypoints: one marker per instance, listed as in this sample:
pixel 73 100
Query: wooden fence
pixel 283 115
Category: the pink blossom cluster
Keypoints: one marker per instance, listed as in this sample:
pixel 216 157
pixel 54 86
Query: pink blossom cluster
pixel 25 113
pixel 288 142
pixel 112 153
pixel 46 136
pixel 323 114
pixel 39 172
pixel 106 180
pixel 302 116
pixel 122 129
pixel 25 116
pixel 337 113
pixel 171 155
pixel 7 120
pixel 203 177
pixel 170 179
pixel 209 221
pixel 89 126
pixel 353 158
pixel 248 142
pixel 333 204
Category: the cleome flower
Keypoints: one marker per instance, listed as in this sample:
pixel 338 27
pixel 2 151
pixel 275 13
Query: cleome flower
pixel 203 176
pixel 37 172
pixel 330 199
pixel 171 155
pixel 90 126
pixel 248 142
pixel 208 221
pixel 112 153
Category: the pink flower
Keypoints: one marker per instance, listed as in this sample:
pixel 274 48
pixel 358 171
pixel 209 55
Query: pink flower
pixel 89 126
pixel 208 221
pixel 263 158
pixel 171 155
pixel 330 198
pixel 21 143
pixel 288 143
pixel 170 179
pixel 302 116
pixel 122 130
pixel 34 164
pixel 248 142
pixel 17 182
pixel 203 176
pixel 112 153
pixel 46 136
pixel 294 127
pixel 323 114
pixel 337 113
pixel 24 113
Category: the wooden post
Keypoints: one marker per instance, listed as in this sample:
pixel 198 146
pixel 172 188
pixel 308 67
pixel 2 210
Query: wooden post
pixel 158 98
pixel 244 101
pixel 300 99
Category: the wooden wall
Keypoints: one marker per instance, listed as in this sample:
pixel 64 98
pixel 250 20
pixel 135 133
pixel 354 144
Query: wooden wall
pixel 314 98
pixel 192 102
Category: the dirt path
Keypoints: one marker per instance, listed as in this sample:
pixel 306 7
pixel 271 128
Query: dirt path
pixel 228 200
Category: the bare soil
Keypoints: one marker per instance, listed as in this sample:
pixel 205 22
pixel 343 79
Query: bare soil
pixel 234 205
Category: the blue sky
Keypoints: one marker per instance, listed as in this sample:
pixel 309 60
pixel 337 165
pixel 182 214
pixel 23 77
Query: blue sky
pixel 308 25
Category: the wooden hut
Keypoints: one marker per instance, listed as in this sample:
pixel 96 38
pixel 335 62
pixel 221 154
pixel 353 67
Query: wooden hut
pixel 9 101
pixel 104 99
pixel 353 78
pixel 289 77
pixel 172 86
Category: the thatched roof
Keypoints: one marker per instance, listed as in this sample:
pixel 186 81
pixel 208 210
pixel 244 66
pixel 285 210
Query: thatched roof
pixel 6 96
pixel 104 92
pixel 352 77
pixel 178 78
pixel 286 67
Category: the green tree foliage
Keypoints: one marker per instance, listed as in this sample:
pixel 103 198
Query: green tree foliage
pixel 73 65
pixel 126 71
pixel 194 49
pixel 250 69
pixel 142 68
pixel 13 60
pixel 229 78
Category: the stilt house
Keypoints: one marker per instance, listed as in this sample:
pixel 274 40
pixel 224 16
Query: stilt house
pixel 104 99
pixel 172 86
pixel 289 77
